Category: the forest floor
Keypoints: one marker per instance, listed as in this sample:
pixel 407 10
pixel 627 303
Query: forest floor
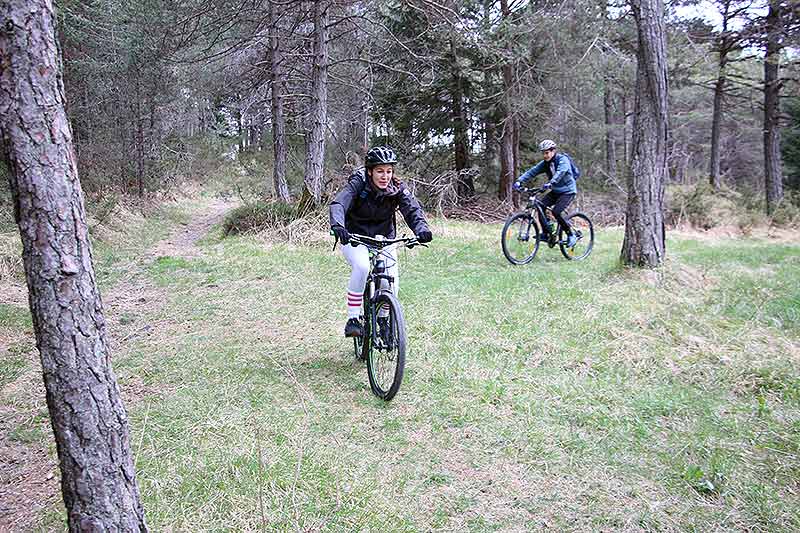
pixel 559 395
pixel 28 467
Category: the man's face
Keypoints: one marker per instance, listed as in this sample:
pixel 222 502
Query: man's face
pixel 548 154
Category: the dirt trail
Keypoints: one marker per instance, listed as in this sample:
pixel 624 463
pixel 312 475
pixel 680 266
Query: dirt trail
pixel 29 479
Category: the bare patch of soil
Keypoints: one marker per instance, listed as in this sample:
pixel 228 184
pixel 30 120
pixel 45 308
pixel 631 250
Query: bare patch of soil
pixel 182 243
pixel 12 293
pixel 29 476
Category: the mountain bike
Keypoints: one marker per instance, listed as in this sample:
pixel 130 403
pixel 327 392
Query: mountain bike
pixel 522 234
pixel 383 345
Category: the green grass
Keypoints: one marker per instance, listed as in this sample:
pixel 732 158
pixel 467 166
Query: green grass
pixel 116 256
pixel 558 395
pixel 118 250
pixel 15 322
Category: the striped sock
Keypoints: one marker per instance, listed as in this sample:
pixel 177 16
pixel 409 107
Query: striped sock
pixel 383 310
pixel 354 304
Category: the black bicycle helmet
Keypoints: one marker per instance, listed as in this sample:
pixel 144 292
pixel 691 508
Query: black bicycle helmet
pixel 380 155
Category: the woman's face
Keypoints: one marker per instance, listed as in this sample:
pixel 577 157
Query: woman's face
pixel 381 175
pixel 549 154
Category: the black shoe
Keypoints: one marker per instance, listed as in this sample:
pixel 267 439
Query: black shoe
pixel 385 331
pixel 353 328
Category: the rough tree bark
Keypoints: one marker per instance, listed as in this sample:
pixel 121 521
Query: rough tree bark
pixel 507 175
pixel 611 151
pixel 626 139
pixel 508 151
pixel 277 84
pixel 725 43
pixel 86 412
pixel 466 188
pixel 644 243
pixel 773 174
pixel 315 153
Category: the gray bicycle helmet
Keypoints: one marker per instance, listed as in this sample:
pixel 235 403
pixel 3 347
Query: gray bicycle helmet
pixel 546 144
pixel 380 155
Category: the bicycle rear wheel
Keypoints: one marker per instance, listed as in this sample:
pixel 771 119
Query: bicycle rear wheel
pixel 386 358
pixel 520 238
pixel 582 227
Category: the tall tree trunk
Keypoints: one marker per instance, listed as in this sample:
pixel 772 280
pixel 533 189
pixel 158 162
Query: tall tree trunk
pixel 507 174
pixel 508 151
pixel 466 188
pixel 611 152
pixel 626 143
pixel 315 155
pixel 489 142
pixel 86 412
pixel 139 128
pixel 773 174
pixel 644 243
pixel 724 46
pixel 716 122
pixel 277 84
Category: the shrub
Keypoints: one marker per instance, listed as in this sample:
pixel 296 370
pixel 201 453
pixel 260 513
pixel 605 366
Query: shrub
pixel 787 214
pixel 702 206
pixel 258 216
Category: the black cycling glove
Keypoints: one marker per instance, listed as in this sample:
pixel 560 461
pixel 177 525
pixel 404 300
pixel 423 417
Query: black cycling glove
pixel 341 234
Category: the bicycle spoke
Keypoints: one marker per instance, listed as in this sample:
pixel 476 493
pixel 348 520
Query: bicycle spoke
pixel 519 239
pixel 582 229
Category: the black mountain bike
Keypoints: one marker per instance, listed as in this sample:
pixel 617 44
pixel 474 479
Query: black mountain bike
pixel 384 342
pixel 522 234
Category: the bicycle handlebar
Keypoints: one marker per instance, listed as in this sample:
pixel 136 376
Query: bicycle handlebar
pixel 372 242
pixel 534 190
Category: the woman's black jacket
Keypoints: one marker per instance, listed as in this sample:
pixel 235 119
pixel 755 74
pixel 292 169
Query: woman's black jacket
pixel 364 209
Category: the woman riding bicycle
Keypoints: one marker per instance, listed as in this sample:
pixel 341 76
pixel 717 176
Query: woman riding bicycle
pixel 561 173
pixel 367 206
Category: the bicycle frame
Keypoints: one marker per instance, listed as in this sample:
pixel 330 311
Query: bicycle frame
pixel 543 212
pixel 377 249
pixel 377 272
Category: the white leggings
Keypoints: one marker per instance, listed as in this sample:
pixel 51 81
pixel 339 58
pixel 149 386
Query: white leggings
pixel 358 257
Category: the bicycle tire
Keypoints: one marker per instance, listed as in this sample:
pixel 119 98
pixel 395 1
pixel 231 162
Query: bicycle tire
pixel 510 236
pixel 385 367
pixel 581 224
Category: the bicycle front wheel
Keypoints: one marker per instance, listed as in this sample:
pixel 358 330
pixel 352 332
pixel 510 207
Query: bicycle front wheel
pixel 386 358
pixel 519 239
pixel 584 231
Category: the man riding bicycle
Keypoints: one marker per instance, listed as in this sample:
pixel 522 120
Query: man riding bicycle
pixel 561 172
pixel 367 206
